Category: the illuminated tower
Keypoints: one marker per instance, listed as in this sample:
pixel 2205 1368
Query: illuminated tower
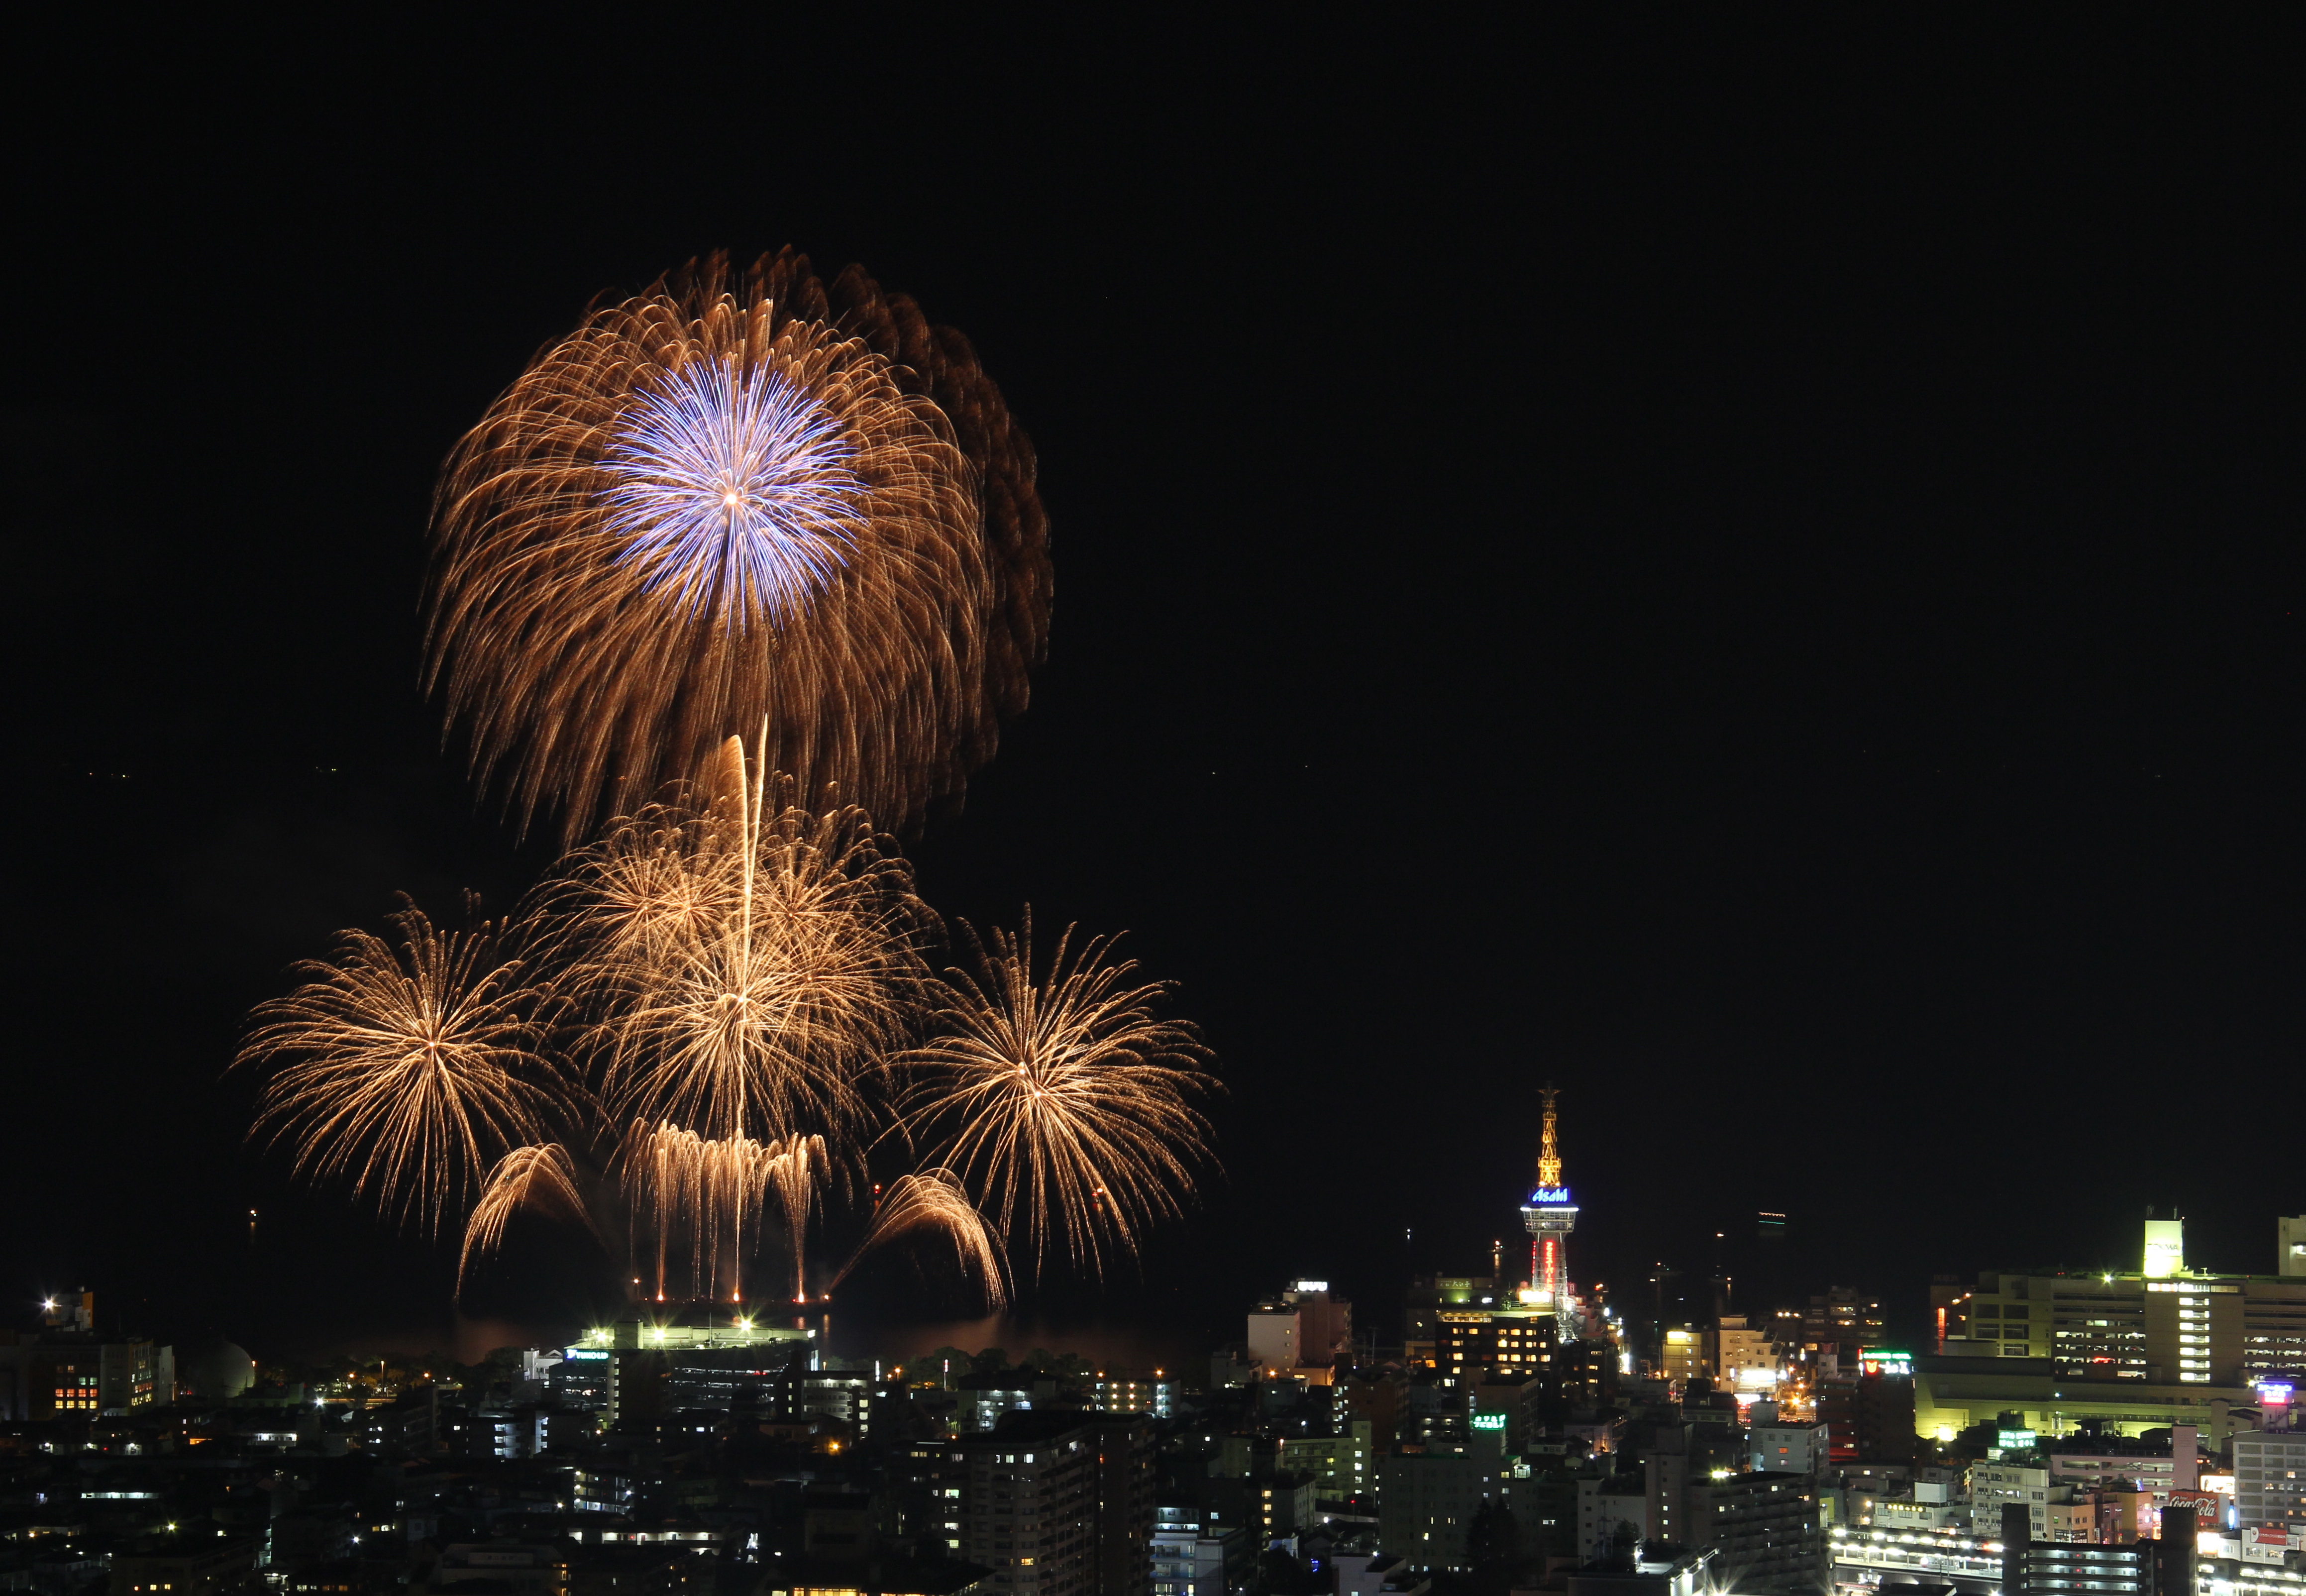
pixel 1550 1216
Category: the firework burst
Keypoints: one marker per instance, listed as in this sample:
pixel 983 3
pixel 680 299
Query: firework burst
pixel 754 960
pixel 739 499
pixel 405 1067
pixel 1067 1098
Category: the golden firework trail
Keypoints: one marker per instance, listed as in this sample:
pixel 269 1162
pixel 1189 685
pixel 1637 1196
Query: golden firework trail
pixel 1066 1096
pixel 740 498
pixel 794 1168
pixel 405 1067
pixel 684 1185
pixel 529 1177
pixel 936 1202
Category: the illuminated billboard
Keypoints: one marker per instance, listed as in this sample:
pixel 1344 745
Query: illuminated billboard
pixel 2165 1248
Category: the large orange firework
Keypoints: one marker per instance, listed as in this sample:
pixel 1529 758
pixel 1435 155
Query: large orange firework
pixel 738 499
pixel 408 1068
pixel 1066 1097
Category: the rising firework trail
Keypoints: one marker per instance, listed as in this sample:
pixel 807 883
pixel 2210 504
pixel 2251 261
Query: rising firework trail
pixel 739 499
pixel 405 1068
pixel 1066 1097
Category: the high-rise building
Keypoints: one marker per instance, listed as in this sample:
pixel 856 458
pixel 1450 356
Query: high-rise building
pixel 1549 1216
pixel 1055 1503
pixel 1427 1500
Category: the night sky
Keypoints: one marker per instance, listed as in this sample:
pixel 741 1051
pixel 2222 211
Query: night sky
pixel 1755 576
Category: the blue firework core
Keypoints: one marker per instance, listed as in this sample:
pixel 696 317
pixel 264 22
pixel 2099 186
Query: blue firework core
pixel 733 493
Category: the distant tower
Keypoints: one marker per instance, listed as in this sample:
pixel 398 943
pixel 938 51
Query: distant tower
pixel 1550 1216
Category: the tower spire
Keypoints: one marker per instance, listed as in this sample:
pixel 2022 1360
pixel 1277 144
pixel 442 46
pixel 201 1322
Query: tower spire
pixel 1548 1146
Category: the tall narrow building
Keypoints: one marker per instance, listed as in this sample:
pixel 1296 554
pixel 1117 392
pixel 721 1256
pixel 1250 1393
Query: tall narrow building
pixel 1550 1215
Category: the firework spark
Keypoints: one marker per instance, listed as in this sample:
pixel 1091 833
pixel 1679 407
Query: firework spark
pixel 936 1202
pixel 527 1177
pixel 701 1187
pixel 407 1068
pixel 732 499
pixel 1068 1096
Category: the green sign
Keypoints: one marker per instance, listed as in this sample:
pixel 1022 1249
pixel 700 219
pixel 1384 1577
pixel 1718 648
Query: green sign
pixel 1489 1420
pixel 2018 1440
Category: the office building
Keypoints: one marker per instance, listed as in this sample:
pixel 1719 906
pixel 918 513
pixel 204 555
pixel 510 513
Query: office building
pixel 2091 1463
pixel 1302 1328
pixel 1430 1295
pixel 1340 1465
pixel 1995 1486
pixel 1055 1503
pixel 1764 1530
pixel 1427 1500
pixel 1744 1355
pixel 1681 1355
pixel 65 1368
pixel 1611 1511
pixel 185 1565
pixel 580 1380
pixel 704 1357
pixel 2158 1347
pixel 1871 1415
pixel 1116 1393
pixel 1474 1343
pixel 1785 1449
pixel 2163 1325
pixel 2269 1468
pixel 1842 1322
